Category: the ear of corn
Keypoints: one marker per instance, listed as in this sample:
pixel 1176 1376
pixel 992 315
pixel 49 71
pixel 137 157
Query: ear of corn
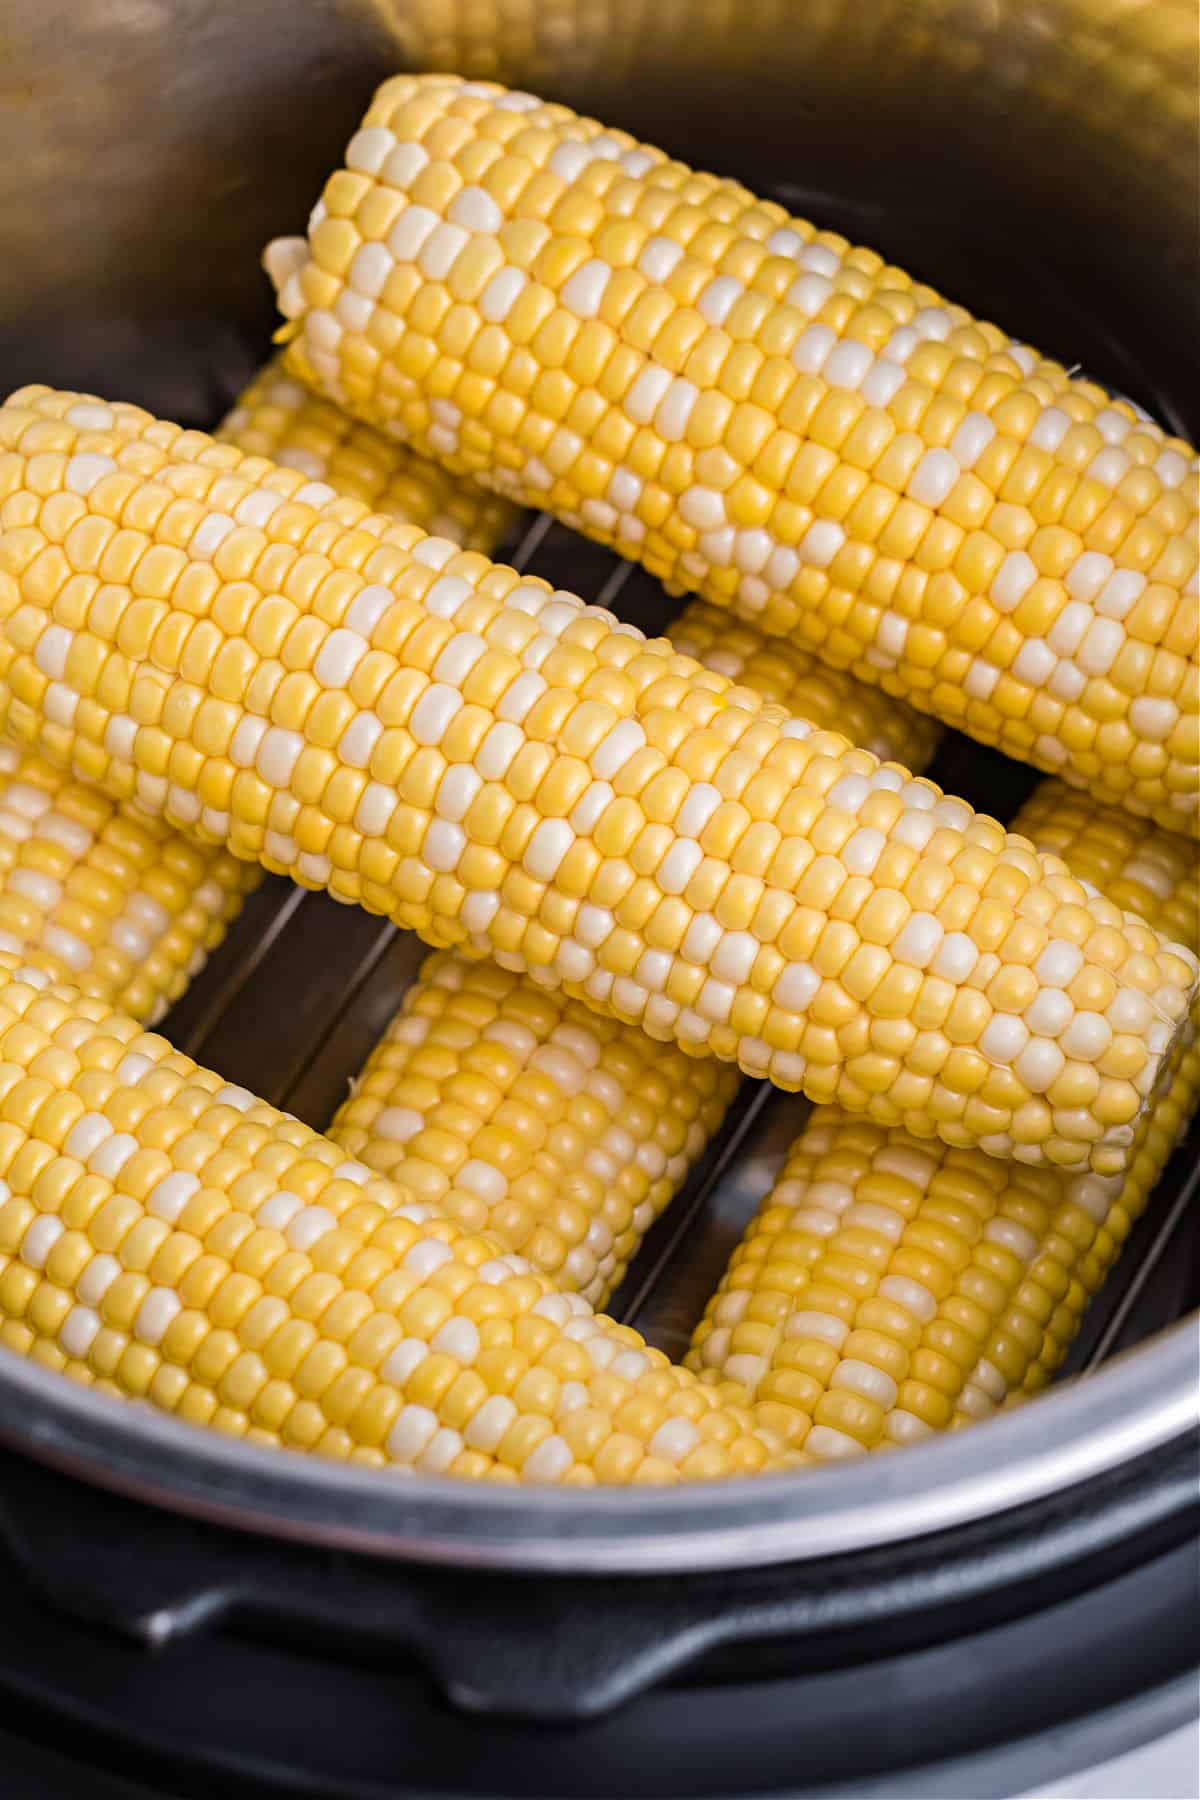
pixel 888 1288
pixel 171 1239
pixel 525 1115
pixel 279 418
pixel 96 894
pixel 520 1113
pixel 766 415
pixel 504 769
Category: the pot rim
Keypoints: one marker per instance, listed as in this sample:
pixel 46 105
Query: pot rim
pixel 1082 1432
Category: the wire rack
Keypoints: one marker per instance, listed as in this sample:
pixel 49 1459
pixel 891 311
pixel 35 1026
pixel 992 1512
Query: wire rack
pixel 297 996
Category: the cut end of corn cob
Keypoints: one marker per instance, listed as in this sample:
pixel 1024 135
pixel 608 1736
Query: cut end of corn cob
pixel 502 768
pixel 889 1288
pixel 98 895
pixel 168 1238
pixel 764 414
pixel 520 1113
pixel 278 417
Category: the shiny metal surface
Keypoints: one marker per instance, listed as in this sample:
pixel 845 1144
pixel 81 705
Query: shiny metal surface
pixel 1034 158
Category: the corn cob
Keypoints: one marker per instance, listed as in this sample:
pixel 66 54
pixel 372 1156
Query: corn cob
pixel 765 415
pixel 502 768
pixel 520 1113
pixel 96 894
pixel 887 1287
pixel 617 45
pixel 279 418
pixel 805 687
pixel 524 1115
pixel 171 1239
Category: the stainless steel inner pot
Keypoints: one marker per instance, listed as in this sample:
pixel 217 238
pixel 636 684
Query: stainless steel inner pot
pixel 1035 158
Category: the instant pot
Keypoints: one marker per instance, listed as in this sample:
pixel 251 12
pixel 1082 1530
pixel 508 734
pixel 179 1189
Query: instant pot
pixel 1008 1611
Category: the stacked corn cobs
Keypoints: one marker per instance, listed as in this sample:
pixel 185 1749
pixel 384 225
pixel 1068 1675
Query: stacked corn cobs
pixel 887 1288
pixel 642 841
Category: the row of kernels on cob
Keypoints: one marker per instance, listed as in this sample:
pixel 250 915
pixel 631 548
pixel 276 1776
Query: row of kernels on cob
pixel 887 1287
pixel 499 766
pixel 1145 871
pixel 767 415
pixel 168 1238
pixel 828 698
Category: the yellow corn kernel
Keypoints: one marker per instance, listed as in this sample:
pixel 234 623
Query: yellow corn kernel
pixel 396 621
pixel 933 446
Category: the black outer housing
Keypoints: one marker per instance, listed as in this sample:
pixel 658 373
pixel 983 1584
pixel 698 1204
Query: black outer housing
pixel 199 1660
